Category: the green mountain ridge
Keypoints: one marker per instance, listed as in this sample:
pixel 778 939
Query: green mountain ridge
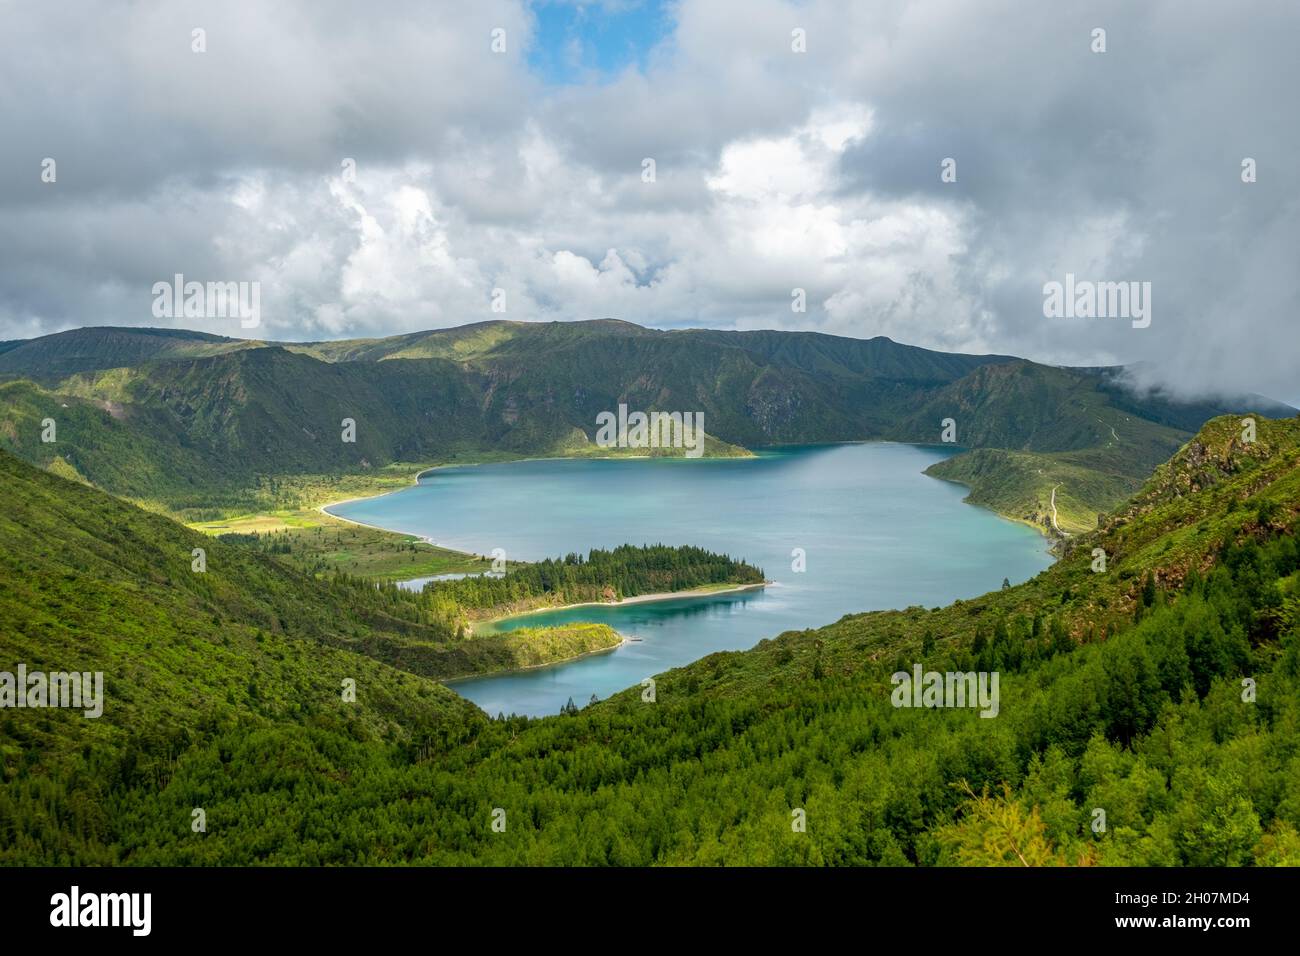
pixel 196 421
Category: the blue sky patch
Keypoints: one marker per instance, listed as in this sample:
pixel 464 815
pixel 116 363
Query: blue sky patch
pixel 579 41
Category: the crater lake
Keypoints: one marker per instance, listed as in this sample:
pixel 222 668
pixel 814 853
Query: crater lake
pixel 874 533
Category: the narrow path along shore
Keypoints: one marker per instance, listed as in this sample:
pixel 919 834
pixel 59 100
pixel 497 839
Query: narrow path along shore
pixel 1064 534
pixel 1112 430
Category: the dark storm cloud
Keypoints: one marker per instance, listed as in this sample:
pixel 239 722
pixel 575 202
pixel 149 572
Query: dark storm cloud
pixel 1054 141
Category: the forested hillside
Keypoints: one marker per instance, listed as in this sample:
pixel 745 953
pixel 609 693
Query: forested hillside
pixel 1163 690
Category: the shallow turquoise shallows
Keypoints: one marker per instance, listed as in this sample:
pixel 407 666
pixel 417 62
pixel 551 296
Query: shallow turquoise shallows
pixel 875 532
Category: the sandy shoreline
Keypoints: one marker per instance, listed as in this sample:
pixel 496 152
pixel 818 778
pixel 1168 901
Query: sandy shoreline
pixel 623 640
pixel 427 539
pixel 639 599
pixel 376 527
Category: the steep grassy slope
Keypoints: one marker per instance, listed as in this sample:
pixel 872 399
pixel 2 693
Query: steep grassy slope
pixel 51 358
pixel 1121 691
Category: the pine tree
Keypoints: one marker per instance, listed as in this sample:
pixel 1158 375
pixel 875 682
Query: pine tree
pixel 1149 590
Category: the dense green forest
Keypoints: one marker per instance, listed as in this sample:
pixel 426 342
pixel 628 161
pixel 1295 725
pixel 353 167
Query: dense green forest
pixel 1163 692
pixel 623 572
pixel 1149 727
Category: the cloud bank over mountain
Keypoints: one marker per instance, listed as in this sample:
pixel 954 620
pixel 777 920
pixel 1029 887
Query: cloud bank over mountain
pixel 774 170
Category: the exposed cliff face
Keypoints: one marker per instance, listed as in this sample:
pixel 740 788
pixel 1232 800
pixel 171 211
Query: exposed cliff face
pixel 1223 449
pixel 773 405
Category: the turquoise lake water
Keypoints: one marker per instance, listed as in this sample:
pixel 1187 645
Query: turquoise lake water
pixel 875 531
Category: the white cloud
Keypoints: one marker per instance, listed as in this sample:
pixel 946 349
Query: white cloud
pixel 775 170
